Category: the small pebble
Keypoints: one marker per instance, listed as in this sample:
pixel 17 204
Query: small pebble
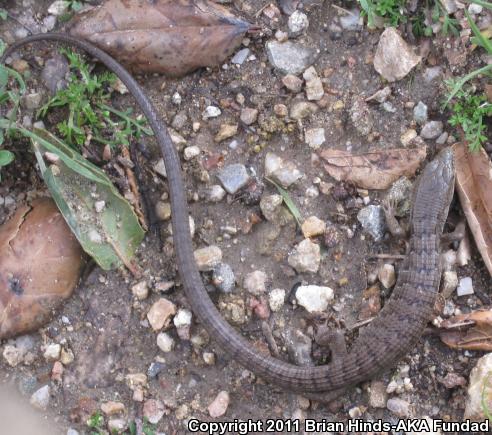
pixel 465 287
pixel 140 290
pixel 313 226
pixel 399 407
pixel 160 314
pixel 306 257
pixel 223 278
pixel 165 342
pixel 255 282
pixel 233 177
pixel 211 112
pixel 276 299
pixel 386 275
pixel 219 406
pixel 207 258
pixel 314 298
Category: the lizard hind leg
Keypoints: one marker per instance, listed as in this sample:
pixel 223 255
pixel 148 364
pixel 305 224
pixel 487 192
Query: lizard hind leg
pixel 333 339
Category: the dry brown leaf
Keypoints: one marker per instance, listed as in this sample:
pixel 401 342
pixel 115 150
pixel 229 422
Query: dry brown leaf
pixel 373 169
pixel 472 331
pixel 40 265
pixel 474 186
pixel 171 37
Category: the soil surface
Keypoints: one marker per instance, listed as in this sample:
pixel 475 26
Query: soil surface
pixel 105 326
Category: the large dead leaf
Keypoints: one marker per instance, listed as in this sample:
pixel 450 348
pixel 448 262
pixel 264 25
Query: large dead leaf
pixel 373 169
pixel 474 185
pixel 471 331
pixel 172 37
pixel 40 265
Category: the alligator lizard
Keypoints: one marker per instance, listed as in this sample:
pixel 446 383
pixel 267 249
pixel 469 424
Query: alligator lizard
pixel 387 338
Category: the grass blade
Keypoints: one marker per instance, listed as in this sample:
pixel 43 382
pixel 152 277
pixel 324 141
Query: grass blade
pixel 480 39
pixel 294 211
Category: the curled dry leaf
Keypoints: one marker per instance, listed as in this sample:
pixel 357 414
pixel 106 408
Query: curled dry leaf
pixel 472 331
pixel 373 169
pixel 40 265
pixel 171 37
pixel 474 185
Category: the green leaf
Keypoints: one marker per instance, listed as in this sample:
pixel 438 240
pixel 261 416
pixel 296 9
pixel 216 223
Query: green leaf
pixel 288 202
pixel 112 235
pixel 479 38
pixel 6 157
pixel 3 14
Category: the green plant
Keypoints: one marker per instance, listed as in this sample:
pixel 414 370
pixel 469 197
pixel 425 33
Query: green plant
pixel 469 108
pixel 392 11
pixel 469 111
pixel 3 14
pixel 90 116
pixel 96 422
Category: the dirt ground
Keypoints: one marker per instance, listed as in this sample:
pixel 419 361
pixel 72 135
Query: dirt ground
pixel 105 326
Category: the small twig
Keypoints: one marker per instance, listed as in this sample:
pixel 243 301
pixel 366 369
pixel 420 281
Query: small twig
pixel 345 11
pixel 360 324
pixel 388 256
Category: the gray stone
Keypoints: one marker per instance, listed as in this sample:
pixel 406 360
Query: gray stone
pixel 373 221
pixel 223 278
pixel 399 407
pixel 431 130
pixel 240 57
pixel 270 206
pixel 233 177
pixel 276 299
pixel 290 57
pixel 40 399
pixel 420 113
pixel 315 137
pixel 207 258
pixel 54 73
pixel 32 101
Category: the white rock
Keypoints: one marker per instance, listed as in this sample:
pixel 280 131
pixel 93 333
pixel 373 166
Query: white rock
pixel 219 406
pixel 58 7
pixel 211 112
pixel 298 23
pixel 191 152
pixel 449 283
pixel 182 318
pixel 140 290
pixel 255 282
pixel 465 287
pixel 165 342
pixel 41 398
pixel 314 298
pixel 276 299
pixel 52 352
pixel 478 376
pixel 284 172
pixel 12 355
pixel 306 257
pixel 315 137
pixel 160 314
pixel 386 275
